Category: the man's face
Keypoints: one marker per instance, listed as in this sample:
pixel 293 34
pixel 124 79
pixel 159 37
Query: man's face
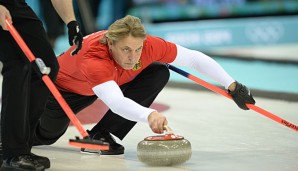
pixel 127 51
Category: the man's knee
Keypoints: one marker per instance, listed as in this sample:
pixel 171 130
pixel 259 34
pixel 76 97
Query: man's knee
pixel 161 74
pixel 50 128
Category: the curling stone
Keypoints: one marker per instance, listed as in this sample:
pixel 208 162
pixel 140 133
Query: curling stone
pixel 164 150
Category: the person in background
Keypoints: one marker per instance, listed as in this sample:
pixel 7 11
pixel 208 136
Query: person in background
pixel 24 94
pixel 53 22
pixel 126 69
pixel 90 17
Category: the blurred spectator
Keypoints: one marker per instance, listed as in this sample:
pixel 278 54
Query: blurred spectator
pixel 88 13
pixel 218 2
pixel 53 23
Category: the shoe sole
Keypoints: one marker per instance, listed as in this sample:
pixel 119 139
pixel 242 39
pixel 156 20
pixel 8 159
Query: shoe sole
pixel 103 152
pixel 8 168
pixel 91 152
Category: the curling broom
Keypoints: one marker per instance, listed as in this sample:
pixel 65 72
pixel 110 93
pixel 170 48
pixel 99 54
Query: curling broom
pixel 86 142
pixel 224 93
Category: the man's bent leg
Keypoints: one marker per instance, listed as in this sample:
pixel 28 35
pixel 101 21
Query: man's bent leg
pixel 143 90
pixel 54 122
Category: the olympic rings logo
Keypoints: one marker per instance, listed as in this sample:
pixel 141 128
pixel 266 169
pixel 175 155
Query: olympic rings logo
pixel 264 32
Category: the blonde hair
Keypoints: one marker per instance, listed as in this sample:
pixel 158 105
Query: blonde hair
pixel 129 25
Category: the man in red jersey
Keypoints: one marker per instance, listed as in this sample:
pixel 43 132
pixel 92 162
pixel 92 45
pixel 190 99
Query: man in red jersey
pixel 125 68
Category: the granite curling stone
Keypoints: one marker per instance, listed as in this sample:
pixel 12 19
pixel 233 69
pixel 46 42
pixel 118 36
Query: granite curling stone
pixel 164 150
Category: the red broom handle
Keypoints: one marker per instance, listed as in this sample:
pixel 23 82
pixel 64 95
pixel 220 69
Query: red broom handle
pixel 224 93
pixel 47 80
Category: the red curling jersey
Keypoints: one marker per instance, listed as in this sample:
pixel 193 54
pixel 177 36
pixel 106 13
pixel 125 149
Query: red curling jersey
pixel 94 65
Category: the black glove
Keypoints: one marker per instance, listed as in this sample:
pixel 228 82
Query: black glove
pixel 242 95
pixel 75 36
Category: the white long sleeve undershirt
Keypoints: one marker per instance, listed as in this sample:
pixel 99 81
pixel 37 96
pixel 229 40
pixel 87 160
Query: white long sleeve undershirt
pixel 203 64
pixel 111 94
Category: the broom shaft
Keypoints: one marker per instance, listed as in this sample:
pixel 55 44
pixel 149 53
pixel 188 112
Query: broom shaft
pixel 224 93
pixel 47 81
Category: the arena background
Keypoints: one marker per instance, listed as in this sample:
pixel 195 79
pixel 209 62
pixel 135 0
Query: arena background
pixel 256 41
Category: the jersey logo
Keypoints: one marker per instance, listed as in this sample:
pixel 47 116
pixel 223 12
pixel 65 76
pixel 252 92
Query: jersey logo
pixel 137 66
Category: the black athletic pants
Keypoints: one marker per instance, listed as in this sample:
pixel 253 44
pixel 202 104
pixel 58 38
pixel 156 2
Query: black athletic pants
pixel 24 94
pixel 143 90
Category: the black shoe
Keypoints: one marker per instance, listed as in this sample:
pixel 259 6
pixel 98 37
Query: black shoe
pixel 22 163
pixel 42 160
pixel 104 136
